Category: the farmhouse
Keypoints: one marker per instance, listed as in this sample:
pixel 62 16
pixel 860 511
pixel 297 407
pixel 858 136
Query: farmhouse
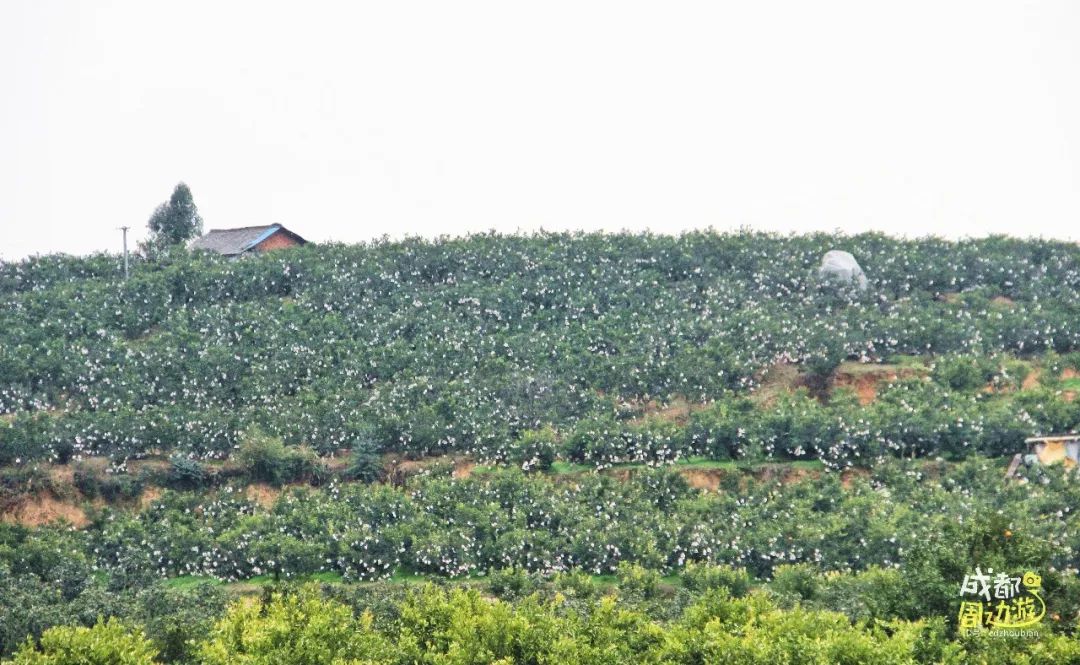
pixel 247 239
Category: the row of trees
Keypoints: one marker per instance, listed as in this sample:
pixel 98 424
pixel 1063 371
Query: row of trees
pixel 711 617
pixel 593 524
pixel 465 344
pixel 909 418
pixel 960 409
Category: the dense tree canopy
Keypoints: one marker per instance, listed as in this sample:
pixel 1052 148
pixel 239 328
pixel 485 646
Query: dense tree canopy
pixel 466 344
pixel 175 222
pixel 679 460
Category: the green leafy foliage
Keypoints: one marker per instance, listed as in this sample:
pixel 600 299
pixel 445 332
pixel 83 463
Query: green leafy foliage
pixel 646 364
pixel 365 463
pixel 186 473
pixel 535 450
pixel 265 458
pixel 176 221
pixel 106 643
pixel 461 345
pixel 295 628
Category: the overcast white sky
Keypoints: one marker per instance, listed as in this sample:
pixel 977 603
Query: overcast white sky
pixel 353 120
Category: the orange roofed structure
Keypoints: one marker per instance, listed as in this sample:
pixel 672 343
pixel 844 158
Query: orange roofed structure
pixel 248 239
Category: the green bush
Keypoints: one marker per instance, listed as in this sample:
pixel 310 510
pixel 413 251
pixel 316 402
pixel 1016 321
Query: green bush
pixel 535 450
pixel 797 582
pixel 302 464
pixel 296 627
pixel 964 373
pixel 875 593
pixel 266 459
pixel 106 643
pixel 636 580
pixel 186 474
pixel 95 481
pixel 175 618
pixel 365 462
pixel 701 577
pixel 510 583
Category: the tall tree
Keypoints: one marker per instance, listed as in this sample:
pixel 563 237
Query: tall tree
pixel 176 221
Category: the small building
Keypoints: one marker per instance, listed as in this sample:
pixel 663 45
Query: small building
pixel 247 239
pixel 1044 450
pixel 1064 448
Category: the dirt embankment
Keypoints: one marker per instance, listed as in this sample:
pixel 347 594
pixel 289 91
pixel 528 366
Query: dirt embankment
pixel 712 480
pixel 463 468
pixel 51 495
pixel 1031 381
pixel 866 379
pixel 44 509
pixel 1069 373
pixel 263 494
pixel 865 385
pixel 702 479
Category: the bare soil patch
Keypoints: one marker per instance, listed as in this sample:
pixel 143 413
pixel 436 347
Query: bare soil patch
pixel 776 380
pixel 864 385
pixel 463 468
pixel 150 495
pixel 263 494
pixel 848 476
pixel 866 378
pixel 705 479
pixel 45 509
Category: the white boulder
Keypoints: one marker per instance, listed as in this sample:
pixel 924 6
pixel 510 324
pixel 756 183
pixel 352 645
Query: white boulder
pixel 842 266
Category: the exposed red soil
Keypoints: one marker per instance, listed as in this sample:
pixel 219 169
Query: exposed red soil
pixel 1031 381
pixel 705 479
pixel 45 509
pixel 848 476
pixel 864 385
pixel 149 496
pixel 263 494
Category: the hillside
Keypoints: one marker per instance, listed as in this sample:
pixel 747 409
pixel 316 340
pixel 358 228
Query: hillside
pixel 464 344
pixel 536 419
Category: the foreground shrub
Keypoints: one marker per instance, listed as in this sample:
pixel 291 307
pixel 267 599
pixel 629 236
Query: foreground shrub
pixel 699 577
pixel 296 627
pixel 106 643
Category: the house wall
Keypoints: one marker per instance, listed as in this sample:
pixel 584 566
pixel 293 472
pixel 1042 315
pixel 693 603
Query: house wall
pixel 277 241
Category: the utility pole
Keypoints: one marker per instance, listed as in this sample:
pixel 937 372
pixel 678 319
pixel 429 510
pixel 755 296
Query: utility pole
pixel 125 230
